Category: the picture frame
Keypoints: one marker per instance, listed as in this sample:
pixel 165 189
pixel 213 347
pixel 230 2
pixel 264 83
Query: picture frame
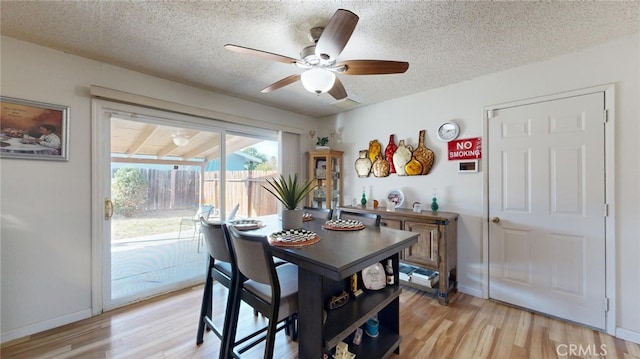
pixel 33 130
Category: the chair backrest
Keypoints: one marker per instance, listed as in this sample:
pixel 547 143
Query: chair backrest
pixel 368 219
pixel 217 244
pixel 323 214
pixel 233 212
pixel 204 211
pixel 253 256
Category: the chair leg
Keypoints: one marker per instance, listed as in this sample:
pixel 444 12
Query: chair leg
pixel 205 307
pixel 231 319
pixel 271 336
pixel 200 240
pixel 291 327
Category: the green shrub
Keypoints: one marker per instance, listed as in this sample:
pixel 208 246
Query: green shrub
pixel 129 189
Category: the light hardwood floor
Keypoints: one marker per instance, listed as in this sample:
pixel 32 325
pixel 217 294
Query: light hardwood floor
pixel 470 327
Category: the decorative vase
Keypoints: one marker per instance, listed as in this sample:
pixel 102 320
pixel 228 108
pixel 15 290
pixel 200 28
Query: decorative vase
pixel 363 164
pixel 413 167
pixel 374 150
pixel 423 154
pixel 388 153
pixel 401 156
pixel 380 167
pixel 434 204
pixel 291 218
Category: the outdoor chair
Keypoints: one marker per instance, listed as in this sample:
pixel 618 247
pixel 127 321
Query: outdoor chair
pixel 205 211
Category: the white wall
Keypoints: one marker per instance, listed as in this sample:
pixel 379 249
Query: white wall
pixel 46 206
pixel 615 62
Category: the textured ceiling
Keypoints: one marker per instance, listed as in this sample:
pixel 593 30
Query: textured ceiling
pixel 444 42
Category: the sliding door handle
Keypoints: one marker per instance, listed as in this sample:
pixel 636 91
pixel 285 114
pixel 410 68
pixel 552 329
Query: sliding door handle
pixel 108 209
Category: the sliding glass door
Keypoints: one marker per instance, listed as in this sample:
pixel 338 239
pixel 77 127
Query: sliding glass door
pixel 165 171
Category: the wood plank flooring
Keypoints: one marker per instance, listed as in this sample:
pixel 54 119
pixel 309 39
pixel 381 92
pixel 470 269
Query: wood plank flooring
pixel 470 327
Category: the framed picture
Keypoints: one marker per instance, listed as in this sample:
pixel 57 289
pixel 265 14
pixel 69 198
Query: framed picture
pixel 33 130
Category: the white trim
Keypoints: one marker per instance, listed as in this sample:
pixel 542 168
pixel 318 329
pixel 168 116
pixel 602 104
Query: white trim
pixel 97 204
pixel 610 221
pixel 471 291
pixel 610 234
pixel 122 96
pixel 103 109
pixel 486 115
pixel 39 327
pixel 628 335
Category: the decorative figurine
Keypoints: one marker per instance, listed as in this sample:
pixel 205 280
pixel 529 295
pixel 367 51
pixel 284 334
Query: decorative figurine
pixel 339 300
pixel 354 286
pixel 434 202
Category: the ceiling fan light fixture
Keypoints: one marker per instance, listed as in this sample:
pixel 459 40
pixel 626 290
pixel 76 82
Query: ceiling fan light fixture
pixel 318 80
pixel 179 139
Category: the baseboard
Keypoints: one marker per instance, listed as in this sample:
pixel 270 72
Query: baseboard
pixel 471 291
pixel 627 334
pixel 42 326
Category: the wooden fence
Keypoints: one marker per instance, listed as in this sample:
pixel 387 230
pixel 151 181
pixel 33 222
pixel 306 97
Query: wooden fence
pixel 180 189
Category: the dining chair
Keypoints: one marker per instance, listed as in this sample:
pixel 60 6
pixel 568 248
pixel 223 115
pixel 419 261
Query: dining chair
pixel 368 219
pixel 220 268
pixel 320 214
pixel 271 290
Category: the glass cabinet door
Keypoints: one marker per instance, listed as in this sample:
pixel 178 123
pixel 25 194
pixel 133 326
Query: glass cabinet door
pixel 325 166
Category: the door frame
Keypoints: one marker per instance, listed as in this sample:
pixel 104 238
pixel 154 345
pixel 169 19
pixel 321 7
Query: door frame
pixel 610 243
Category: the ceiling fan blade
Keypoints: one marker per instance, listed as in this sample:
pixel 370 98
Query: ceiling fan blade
pixel 260 53
pixel 337 91
pixel 336 34
pixel 372 67
pixel 282 83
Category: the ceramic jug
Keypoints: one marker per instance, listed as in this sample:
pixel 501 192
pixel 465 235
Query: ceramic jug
pixel 363 164
pixel 413 167
pixel 401 156
pixel 423 154
pixel 388 153
pixel 380 167
pixel 374 150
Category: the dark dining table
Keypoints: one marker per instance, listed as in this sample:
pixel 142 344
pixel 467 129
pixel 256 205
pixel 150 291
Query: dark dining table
pixel 325 268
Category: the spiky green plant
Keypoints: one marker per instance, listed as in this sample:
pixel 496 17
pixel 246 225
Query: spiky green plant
pixel 290 192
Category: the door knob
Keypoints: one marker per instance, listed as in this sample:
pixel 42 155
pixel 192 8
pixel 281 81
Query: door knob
pixel 495 219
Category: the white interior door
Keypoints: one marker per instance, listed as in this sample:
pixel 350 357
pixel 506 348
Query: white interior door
pixel 546 207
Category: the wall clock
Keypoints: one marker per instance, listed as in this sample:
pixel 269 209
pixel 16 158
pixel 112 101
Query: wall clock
pixel 448 131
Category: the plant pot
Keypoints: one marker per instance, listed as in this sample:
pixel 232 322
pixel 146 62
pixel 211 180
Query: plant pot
pixel 291 218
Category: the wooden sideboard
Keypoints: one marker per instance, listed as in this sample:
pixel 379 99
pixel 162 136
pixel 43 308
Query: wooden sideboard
pixel 436 248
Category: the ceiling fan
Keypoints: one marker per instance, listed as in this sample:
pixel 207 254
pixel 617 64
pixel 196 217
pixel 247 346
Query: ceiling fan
pixel 320 60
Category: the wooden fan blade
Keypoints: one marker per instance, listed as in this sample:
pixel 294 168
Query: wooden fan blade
pixel 336 34
pixel 337 91
pixel 260 53
pixel 282 83
pixel 373 67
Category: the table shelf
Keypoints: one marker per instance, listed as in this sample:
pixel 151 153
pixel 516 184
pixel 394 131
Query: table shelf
pixel 343 321
pixel 381 346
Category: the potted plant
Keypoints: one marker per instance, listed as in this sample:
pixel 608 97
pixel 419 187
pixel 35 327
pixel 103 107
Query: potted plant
pixel 290 192
pixel 322 142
